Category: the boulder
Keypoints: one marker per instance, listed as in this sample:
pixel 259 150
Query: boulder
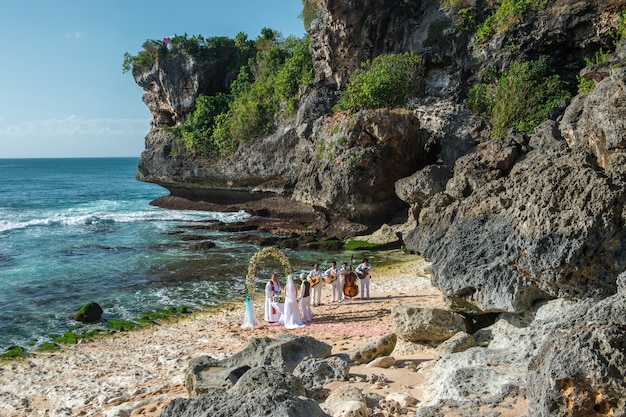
pixel 414 323
pixel 89 313
pixel 580 367
pixel 373 349
pixel 285 352
pixel 268 378
pixel 550 228
pixel 382 362
pixel 423 184
pixel 457 343
pixel 259 402
pixel 346 401
pixel 315 372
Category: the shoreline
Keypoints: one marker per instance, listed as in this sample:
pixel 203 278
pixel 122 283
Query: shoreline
pixel 137 373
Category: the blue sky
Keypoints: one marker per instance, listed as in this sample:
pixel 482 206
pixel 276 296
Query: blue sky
pixel 62 90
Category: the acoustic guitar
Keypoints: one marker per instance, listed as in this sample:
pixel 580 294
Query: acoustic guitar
pixel 314 280
pixel 331 278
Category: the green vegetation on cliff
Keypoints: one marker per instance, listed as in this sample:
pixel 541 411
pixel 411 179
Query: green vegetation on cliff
pixel 504 15
pixel 386 81
pixel 520 98
pixel 271 72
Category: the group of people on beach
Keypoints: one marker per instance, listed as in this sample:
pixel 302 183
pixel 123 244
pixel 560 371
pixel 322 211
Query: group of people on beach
pixel 291 306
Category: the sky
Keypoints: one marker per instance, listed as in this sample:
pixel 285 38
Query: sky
pixel 62 89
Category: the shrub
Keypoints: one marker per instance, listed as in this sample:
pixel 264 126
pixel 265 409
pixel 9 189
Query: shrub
pixel 521 98
pixel 271 71
pixel 197 47
pixel 198 132
pixel 386 81
pixel 506 15
pixel 275 75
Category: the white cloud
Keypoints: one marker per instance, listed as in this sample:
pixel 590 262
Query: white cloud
pixel 73 35
pixel 74 126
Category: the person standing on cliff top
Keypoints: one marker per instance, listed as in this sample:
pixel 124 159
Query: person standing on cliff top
pixel 315 278
pixel 363 272
pixel 272 287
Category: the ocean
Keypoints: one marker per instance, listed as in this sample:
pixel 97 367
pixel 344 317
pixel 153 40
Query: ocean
pixel 74 231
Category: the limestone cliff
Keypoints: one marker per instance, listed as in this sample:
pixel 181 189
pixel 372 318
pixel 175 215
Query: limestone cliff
pixel 507 224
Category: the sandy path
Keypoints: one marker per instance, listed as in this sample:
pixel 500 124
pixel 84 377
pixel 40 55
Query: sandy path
pixel 137 373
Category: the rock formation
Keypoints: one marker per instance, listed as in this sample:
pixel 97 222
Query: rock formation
pixel 514 228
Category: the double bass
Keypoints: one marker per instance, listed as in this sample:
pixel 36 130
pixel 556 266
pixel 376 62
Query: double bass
pixel 350 289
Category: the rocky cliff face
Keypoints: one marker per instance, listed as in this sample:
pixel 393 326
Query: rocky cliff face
pixel 507 224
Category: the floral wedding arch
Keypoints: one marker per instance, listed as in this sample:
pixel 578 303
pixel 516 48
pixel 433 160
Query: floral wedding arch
pixel 264 253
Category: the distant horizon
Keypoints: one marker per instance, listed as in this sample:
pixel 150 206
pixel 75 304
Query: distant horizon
pixel 64 95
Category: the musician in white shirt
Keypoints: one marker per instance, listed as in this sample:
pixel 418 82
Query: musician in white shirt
pixel 316 275
pixel 363 272
pixel 331 275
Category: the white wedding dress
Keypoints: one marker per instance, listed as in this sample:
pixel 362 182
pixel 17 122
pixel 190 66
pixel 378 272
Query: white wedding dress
pixel 291 315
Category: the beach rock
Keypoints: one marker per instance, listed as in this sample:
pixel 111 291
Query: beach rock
pixel 404 399
pixel 346 408
pixel 89 313
pixel 201 246
pixel 550 228
pixel 414 323
pixel 284 352
pixel 260 402
pixel 204 374
pixel 621 283
pixel 315 372
pixel 580 367
pixel 346 393
pixel 347 401
pixel 475 377
pixel 268 378
pixel 457 343
pixel 423 184
pixel 597 120
pixel 382 362
pixel 382 346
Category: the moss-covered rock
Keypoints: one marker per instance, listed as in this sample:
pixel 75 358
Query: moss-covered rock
pixel 89 313
pixel 13 352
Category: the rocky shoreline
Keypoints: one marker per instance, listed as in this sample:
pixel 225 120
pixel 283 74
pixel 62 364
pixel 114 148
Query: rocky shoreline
pixel 138 373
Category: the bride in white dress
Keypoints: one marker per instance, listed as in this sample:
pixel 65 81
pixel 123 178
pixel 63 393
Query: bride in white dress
pixel 291 316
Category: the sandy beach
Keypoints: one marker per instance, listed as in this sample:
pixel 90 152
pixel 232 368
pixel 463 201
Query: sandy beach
pixel 137 373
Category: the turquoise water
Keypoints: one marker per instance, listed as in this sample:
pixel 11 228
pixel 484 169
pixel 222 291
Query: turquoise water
pixel 74 231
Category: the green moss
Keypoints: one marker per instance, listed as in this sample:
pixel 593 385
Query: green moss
pixel 123 325
pixel 325 244
pixel 154 316
pixel 355 244
pixel 13 352
pixel 48 346
pixel 71 338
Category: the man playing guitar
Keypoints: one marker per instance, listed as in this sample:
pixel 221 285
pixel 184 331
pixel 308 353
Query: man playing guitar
pixel 314 278
pixel 331 275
